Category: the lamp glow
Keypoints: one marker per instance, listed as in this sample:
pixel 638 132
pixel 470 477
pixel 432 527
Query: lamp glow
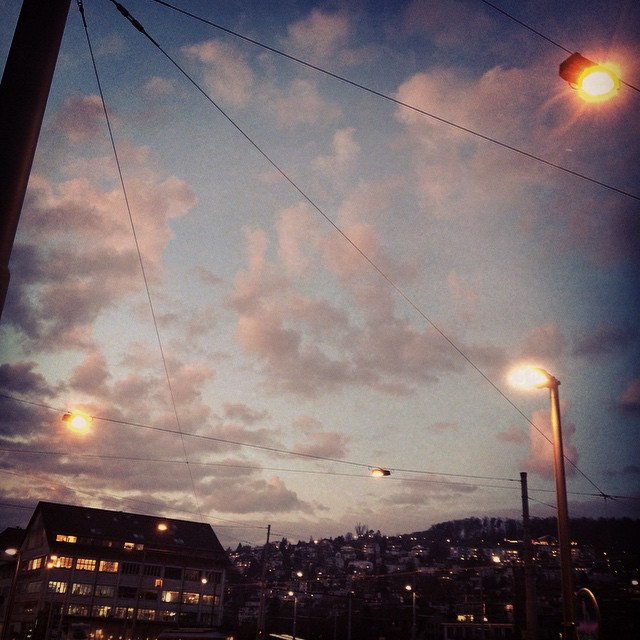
pixel 379 472
pixel 594 82
pixel 77 421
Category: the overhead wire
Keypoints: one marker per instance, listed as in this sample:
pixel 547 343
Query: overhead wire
pixel 137 247
pixel 400 103
pixel 390 281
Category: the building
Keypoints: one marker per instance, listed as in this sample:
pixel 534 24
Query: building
pixel 84 572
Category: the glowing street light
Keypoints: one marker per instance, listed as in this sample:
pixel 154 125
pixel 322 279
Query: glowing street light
pixel 408 587
pixel 379 472
pixel 77 421
pixel 537 378
pixel 594 82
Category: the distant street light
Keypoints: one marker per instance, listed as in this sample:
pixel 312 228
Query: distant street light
pixel 295 611
pixel 594 82
pixel 534 377
pixel 379 472
pixel 408 587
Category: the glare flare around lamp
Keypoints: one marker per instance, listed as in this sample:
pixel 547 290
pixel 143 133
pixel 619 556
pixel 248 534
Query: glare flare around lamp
pixel 379 472
pixel 594 82
pixel 77 421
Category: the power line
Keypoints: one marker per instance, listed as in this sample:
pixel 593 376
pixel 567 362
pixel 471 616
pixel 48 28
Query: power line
pixel 382 273
pixel 137 246
pixel 406 105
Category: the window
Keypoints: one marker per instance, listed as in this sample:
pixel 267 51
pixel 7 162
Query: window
pixel 149 594
pixel 127 593
pixel 209 601
pixel 63 562
pixel 108 566
pixel 152 570
pixel 65 538
pixel 85 564
pixel 35 563
pixel 130 569
pixel 173 573
pixel 192 574
pixel 170 596
pixel 57 587
pixel 101 611
pixel 33 587
pixel 130 546
pixel 105 590
pixel 81 589
pixel 78 610
pixel 214 577
pixel 123 613
pixel 190 598
pixel 167 616
pixel 146 614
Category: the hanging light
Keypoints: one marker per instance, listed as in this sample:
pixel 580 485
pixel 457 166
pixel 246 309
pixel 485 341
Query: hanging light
pixel 595 82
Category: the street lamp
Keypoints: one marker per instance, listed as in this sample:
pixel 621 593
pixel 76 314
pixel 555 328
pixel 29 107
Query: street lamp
pixel 594 82
pixel 534 377
pixel 379 472
pixel 408 587
pixel 77 421
pixel 295 611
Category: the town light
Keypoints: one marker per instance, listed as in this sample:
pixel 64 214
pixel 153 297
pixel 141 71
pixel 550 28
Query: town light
pixel 594 82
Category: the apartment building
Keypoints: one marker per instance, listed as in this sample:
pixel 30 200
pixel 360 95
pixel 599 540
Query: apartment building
pixel 88 572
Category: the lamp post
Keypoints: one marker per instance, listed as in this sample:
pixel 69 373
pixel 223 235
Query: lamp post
pixel 295 611
pixel 541 379
pixel 408 587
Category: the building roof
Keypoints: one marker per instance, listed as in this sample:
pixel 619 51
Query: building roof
pixel 119 526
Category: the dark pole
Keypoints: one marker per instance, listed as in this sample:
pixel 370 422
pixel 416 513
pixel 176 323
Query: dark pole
pixel 529 570
pixel 260 629
pixel 24 91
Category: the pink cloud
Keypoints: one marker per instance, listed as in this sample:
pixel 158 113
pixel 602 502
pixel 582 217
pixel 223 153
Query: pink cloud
pixel 629 399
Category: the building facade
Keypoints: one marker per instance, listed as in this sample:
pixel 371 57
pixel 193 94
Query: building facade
pixel 84 572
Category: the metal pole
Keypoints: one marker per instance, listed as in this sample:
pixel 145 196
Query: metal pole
pixel 529 570
pixel 566 576
pixel 295 611
pixel 23 97
pixel 263 589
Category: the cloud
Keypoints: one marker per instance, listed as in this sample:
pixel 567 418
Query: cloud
pixel 345 151
pixel 300 103
pixel 543 341
pixel 604 339
pixel 80 119
pixel 444 427
pixel 243 413
pixel 258 496
pixel 540 460
pixel 629 400
pixel 227 74
pixel 320 35
pixel 512 434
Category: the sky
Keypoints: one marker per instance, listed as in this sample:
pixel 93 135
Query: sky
pixel 311 270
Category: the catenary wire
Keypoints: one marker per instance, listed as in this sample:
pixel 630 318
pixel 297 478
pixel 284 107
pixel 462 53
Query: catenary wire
pixel 396 101
pixel 139 27
pixel 137 247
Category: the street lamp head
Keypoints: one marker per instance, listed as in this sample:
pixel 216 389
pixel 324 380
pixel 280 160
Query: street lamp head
pixel 530 377
pixel 77 421
pixel 594 82
pixel 408 587
pixel 379 472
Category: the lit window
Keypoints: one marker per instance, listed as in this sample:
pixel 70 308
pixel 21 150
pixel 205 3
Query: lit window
pixel 56 586
pixel 123 613
pixel 170 596
pixel 34 564
pixel 190 598
pixel 78 610
pixel 81 589
pixel 108 566
pixel 62 562
pixel 101 611
pixel 65 538
pixel 146 614
pixel 85 564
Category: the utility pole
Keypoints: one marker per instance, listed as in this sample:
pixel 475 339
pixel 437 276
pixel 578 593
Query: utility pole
pixel 529 570
pixel 24 91
pixel 263 589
